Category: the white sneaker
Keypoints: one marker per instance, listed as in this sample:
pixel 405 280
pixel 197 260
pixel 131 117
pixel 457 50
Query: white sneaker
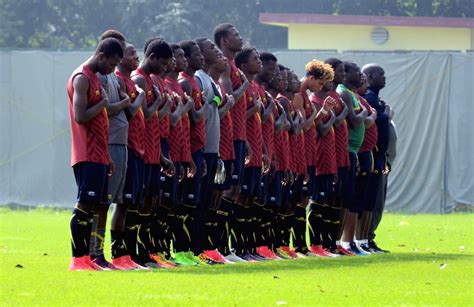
pixel 234 258
pixel 362 251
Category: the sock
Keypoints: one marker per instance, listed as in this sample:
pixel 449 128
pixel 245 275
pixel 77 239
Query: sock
pixel 80 227
pixel 210 225
pixel 314 222
pixel 93 238
pixel 237 230
pixel 346 245
pixel 222 231
pixel 118 245
pixel 144 236
pixel 299 229
pixel 131 233
pixel 96 247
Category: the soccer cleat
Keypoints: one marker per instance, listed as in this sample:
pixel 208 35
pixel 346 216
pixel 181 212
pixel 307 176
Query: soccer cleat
pixel 79 264
pixel 181 258
pixel 125 263
pixel 248 258
pixel 282 254
pixel 374 246
pixel 234 258
pixel 258 257
pixel 104 264
pixel 301 255
pixel 361 249
pixel 291 253
pixel 319 251
pixel 364 247
pixel 342 251
pixel 215 256
pixel 204 259
pixel 265 252
pixel 354 249
pixel 95 266
pixel 148 262
pixel 190 255
pixel 161 259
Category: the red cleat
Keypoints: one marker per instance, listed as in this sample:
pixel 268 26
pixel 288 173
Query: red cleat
pixel 342 251
pixel 291 253
pixel 125 263
pixel 265 252
pixel 215 256
pixel 319 251
pixel 93 265
pixel 80 264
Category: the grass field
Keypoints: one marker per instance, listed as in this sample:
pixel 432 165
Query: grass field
pixel 431 263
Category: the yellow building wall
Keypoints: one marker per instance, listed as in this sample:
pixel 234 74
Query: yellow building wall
pixel 358 37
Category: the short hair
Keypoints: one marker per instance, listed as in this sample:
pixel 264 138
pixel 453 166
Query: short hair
pixel 333 62
pixel 111 33
pixel 319 70
pixel 348 66
pixel 243 56
pixel 200 41
pixel 175 47
pixel 110 47
pixel 221 31
pixel 266 57
pixel 160 48
pixel 148 41
pixel 282 67
pixel 186 46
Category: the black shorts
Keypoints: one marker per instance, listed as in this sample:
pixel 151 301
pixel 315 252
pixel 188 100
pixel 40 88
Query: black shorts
pixel 133 189
pixel 364 182
pixel 228 176
pixel 91 181
pixel 192 186
pixel 325 188
pixel 240 151
pixel 169 197
pixel 251 183
pixel 264 186
pixel 151 180
pixel 208 185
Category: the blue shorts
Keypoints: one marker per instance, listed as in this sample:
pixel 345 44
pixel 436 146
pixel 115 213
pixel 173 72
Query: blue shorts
pixel 228 176
pixel 239 162
pixel 380 159
pixel 350 201
pixel 151 180
pixel 192 186
pixel 251 183
pixel 169 198
pixel 133 189
pixel 309 189
pixel 275 190
pixel 91 180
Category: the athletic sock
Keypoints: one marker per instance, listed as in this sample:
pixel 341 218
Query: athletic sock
pixel 314 222
pixel 96 248
pixel 93 238
pixel 144 236
pixel 118 247
pixel 131 233
pixel 299 229
pixel 80 227
pixel 222 231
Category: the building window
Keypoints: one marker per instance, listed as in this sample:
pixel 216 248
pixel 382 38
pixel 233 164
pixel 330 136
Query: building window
pixel 379 35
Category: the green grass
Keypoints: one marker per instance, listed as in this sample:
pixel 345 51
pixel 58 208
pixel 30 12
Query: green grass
pixel 431 263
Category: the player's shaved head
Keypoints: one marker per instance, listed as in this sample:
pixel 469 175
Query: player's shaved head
pixel 110 47
pixel 111 33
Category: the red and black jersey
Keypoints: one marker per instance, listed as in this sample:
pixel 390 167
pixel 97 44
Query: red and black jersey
pixel 297 146
pixel 198 130
pixel 341 135
pixel 226 144
pixel 136 124
pixel 238 110
pixel 371 133
pixel 281 153
pixel 165 121
pixel 89 140
pixel 254 129
pixel 325 146
pixel 310 134
pixel 152 126
pixel 268 128
pixel 179 138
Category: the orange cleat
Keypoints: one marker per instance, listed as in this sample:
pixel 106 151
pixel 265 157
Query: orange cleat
pixel 80 264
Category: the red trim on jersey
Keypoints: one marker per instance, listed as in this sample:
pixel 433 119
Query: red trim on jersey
pixel 89 140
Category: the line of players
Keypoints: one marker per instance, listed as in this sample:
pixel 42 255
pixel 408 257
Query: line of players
pixel 214 153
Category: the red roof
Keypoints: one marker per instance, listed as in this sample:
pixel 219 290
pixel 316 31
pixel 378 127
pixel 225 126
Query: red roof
pixel 405 21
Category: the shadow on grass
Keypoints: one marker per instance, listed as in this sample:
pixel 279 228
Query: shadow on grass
pixel 316 263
